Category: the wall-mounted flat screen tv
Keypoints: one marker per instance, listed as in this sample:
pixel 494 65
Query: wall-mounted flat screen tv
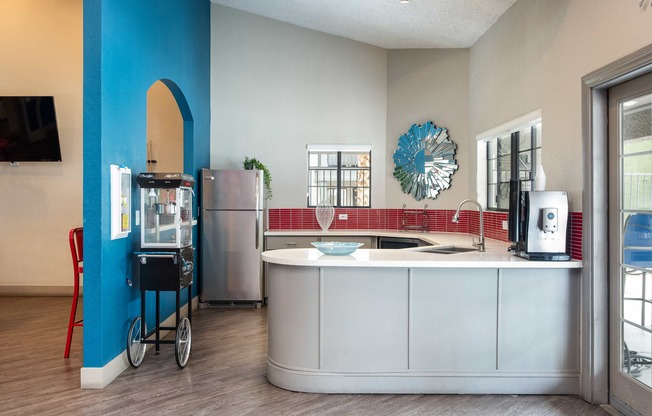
pixel 28 130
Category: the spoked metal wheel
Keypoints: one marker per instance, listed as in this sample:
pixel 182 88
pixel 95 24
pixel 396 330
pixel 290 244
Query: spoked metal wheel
pixel 135 348
pixel 183 342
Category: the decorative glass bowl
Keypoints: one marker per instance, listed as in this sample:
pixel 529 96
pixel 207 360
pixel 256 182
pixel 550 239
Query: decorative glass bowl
pixel 336 248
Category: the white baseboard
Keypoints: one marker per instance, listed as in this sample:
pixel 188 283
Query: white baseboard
pixel 421 382
pixel 100 377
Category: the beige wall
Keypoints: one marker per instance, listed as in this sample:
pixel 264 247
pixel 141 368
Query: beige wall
pixel 535 57
pixel 164 129
pixel 276 87
pixel 423 85
pixel 41 49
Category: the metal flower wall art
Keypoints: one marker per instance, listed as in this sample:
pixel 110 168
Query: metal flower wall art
pixel 424 161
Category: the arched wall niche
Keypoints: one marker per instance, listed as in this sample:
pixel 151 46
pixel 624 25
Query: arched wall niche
pixel 169 128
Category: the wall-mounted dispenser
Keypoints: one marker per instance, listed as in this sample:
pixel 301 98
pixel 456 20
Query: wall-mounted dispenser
pixel 120 201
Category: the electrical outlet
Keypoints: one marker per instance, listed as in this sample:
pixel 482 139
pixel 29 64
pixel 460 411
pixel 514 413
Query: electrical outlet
pixel 343 216
pixel 505 226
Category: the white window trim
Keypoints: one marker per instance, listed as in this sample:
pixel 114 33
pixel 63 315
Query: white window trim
pixel 338 147
pixel 509 127
pixel 362 148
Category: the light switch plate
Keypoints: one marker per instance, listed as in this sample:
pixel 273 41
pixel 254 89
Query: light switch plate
pixel 505 226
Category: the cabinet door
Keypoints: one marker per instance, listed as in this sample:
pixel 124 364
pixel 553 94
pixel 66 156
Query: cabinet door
pixel 280 242
pixel 293 330
pixel 539 320
pixel 364 319
pixel 453 318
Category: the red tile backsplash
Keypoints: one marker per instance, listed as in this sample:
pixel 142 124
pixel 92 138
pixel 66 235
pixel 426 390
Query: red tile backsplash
pixel 438 220
pixel 574 235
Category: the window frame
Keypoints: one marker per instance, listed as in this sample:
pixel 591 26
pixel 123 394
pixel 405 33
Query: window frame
pixel 338 150
pixel 512 129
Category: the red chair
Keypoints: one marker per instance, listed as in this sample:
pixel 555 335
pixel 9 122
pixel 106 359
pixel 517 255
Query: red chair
pixel 76 238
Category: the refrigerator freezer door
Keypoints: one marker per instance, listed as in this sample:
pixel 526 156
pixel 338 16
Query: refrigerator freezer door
pixel 232 189
pixel 231 263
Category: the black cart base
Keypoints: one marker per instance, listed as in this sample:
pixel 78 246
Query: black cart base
pixel 159 271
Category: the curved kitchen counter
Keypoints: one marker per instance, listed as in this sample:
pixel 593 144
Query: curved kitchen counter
pixel 495 256
pixel 404 321
pixel 412 258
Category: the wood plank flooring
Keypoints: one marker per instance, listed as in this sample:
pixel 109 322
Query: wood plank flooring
pixel 224 376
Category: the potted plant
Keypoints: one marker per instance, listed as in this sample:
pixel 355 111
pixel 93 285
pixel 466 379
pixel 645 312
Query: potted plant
pixel 253 163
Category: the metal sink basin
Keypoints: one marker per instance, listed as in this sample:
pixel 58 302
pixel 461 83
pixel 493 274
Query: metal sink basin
pixel 448 250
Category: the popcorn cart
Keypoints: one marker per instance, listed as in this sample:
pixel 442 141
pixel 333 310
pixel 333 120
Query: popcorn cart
pixel 165 262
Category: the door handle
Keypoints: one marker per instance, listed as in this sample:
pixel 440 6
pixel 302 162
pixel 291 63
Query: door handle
pixel 257 189
pixel 257 228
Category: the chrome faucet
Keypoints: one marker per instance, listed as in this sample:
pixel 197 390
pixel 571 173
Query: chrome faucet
pixel 480 244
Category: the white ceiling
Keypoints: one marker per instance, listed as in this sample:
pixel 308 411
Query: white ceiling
pixel 386 23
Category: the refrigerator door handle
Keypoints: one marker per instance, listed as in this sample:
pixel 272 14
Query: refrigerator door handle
pixel 257 228
pixel 258 190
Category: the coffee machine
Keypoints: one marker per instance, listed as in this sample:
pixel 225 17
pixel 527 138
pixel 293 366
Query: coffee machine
pixel 537 223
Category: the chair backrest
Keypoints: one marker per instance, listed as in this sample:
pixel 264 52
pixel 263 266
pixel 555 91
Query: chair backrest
pixel 638 230
pixel 76 238
pixel 637 241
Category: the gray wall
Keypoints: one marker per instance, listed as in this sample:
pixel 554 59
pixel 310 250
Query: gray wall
pixel 535 56
pixel 422 85
pixel 276 87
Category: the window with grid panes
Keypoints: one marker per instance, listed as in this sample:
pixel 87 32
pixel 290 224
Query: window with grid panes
pixel 512 155
pixel 339 174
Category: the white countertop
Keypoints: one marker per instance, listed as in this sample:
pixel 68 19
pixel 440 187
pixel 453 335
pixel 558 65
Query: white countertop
pixel 496 255
pixel 365 233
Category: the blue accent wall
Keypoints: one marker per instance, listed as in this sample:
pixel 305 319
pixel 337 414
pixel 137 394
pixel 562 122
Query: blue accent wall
pixel 129 45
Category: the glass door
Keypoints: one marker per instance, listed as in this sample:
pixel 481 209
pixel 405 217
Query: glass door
pixel 630 245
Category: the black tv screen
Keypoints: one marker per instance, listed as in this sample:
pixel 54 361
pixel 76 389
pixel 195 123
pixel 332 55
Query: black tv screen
pixel 28 130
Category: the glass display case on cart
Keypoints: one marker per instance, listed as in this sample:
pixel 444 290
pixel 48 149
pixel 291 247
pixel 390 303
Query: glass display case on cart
pixel 166 209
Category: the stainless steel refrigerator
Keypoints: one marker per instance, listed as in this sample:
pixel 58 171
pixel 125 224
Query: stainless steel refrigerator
pixel 232 227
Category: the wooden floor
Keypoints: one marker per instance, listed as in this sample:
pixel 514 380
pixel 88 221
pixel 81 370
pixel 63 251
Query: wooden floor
pixel 224 376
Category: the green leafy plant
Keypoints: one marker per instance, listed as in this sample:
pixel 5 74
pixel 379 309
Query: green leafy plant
pixel 253 163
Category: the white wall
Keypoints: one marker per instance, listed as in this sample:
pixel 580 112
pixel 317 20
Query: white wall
pixel 41 46
pixel 276 87
pixel 535 56
pixel 422 85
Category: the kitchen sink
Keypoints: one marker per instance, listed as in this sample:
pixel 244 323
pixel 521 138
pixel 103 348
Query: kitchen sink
pixel 448 250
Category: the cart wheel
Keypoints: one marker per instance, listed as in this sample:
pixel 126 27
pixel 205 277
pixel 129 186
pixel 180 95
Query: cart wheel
pixel 183 342
pixel 135 348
